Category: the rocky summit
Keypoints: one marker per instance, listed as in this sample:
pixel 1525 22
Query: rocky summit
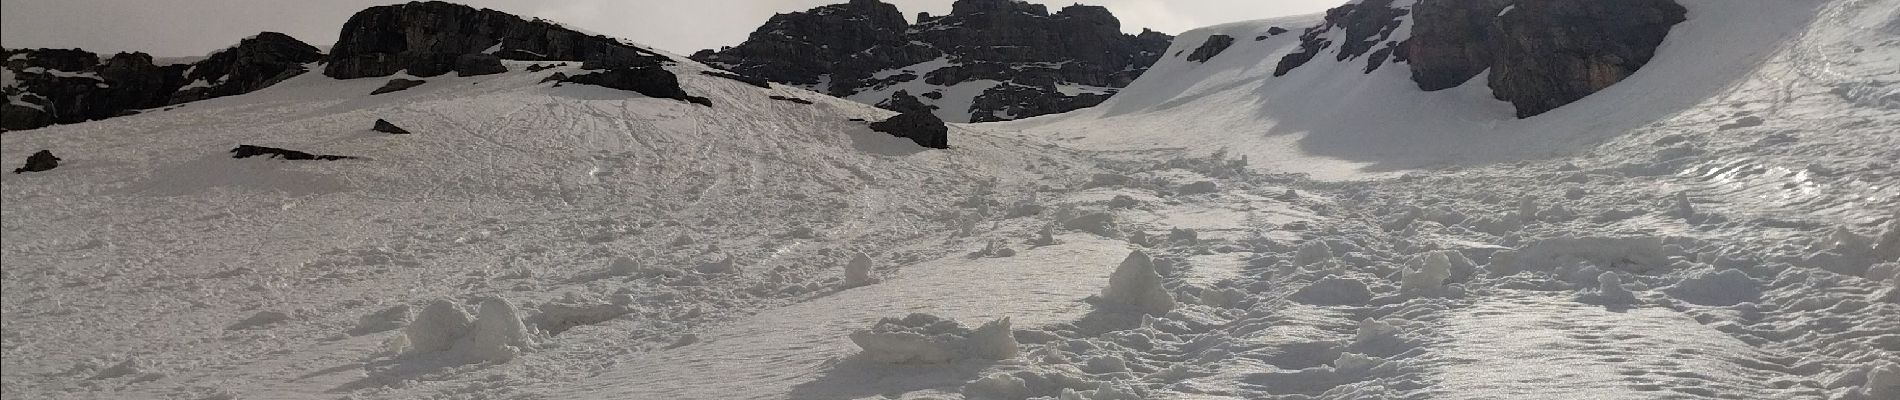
pixel 987 60
pixel 382 41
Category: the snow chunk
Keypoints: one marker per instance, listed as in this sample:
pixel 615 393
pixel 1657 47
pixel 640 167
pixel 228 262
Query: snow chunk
pixel 1634 254
pixel 1883 382
pixel 1333 290
pixel 1136 286
pixel 1610 291
pixel 1426 272
pixel 1313 252
pixel 1725 288
pixel 495 334
pixel 929 339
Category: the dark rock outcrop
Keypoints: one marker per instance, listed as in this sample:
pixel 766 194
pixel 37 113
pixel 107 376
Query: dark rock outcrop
pixel 790 99
pixel 248 151
pixel 760 82
pixel 1541 54
pixel 1212 47
pixel 427 38
pixel 1554 52
pixel 650 81
pixel 39 161
pixel 69 86
pixel 1361 26
pixel 255 63
pixel 921 127
pixel 385 127
pixel 865 45
pixel 1452 40
pixel 478 65
pixel 397 85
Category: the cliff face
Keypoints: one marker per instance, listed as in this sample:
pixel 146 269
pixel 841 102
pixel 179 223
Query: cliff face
pixel 428 38
pixel 1541 54
pixel 57 86
pixel 987 60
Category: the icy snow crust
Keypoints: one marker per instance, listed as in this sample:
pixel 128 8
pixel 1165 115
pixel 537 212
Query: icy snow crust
pixel 584 243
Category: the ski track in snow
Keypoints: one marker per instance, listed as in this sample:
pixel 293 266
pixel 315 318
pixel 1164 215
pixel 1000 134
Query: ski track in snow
pixel 1710 228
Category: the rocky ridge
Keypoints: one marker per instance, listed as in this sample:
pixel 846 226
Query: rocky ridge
pixel 987 60
pixel 1541 54
pixel 63 86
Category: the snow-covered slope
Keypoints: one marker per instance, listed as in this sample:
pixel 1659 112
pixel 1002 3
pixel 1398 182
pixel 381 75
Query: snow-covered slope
pixel 1723 224
pixel 159 248
pixel 1331 119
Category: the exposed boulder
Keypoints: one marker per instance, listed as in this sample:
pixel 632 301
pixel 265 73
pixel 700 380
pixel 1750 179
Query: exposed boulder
pixel 248 151
pixel 389 128
pixel 427 38
pixel 865 45
pixel 42 160
pixel 397 85
pixel 478 64
pixel 650 81
pixel 921 127
pixel 1212 47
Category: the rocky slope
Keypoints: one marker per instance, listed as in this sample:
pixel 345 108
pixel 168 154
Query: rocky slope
pixel 1541 54
pixel 62 86
pixel 987 60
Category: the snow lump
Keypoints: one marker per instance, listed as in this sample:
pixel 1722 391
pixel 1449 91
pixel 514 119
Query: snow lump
pixel 929 339
pixel 1136 286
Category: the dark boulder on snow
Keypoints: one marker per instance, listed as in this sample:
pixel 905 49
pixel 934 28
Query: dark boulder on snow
pixel 760 82
pixel 478 64
pixel 385 127
pixel 255 63
pixel 1212 47
pixel 650 81
pixel 790 99
pixel 397 85
pixel 248 151
pixel 384 40
pixel 921 127
pixel 903 102
pixel 40 161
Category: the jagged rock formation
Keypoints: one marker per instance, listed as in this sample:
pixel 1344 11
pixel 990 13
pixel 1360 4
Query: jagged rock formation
pixel 1541 54
pixel 54 86
pixel 1213 47
pixel 257 62
pixel 987 60
pixel 429 38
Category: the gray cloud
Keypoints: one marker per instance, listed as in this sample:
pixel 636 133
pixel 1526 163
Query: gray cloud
pixel 197 27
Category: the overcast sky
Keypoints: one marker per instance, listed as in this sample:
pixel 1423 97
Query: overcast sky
pixel 197 27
